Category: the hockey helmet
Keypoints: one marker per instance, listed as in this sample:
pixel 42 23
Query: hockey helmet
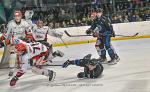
pixel 93 62
pixel 29 14
pixel 40 23
pixel 17 13
pixel 99 10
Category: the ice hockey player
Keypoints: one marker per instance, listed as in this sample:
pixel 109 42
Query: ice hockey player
pixel 103 30
pixel 18 28
pixel 92 67
pixel 40 33
pixel 26 51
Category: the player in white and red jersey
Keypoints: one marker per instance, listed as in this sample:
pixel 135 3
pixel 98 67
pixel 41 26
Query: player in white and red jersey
pixel 25 53
pixel 40 33
pixel 17 28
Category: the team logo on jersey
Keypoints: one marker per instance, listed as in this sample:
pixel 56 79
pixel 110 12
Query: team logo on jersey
pixel 38 36
pixel 99 27
pixel 16 41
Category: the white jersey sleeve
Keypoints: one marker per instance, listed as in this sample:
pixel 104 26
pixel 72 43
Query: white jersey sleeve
pixel 41 33
pixel 9 29
pixel 54 33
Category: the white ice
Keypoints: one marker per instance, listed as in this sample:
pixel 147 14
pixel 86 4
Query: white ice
pixel 131 74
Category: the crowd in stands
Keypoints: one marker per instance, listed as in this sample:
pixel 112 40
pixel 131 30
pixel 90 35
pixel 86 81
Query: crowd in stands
pixel 70 13
pixel 77 13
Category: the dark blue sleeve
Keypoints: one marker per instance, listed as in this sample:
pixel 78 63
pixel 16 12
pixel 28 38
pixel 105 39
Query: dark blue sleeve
pixel 107 24
pixel 93 26
pixel 80 62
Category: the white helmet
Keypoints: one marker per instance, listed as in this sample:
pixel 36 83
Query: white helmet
pixel 29 14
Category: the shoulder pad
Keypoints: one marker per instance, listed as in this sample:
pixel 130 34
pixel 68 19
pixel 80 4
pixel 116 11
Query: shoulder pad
pixel 12 21
pixel 45 27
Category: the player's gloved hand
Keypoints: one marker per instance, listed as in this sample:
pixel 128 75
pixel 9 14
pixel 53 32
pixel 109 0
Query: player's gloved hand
pixel 66 64
pixel 95 35
pixel 89 31
pixel 1 44
pixel 113 34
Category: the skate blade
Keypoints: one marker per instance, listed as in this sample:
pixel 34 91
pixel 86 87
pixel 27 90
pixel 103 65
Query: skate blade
pixel 118 60
pixel 54 74
pixel 112 63
pixel 52 80
pixel 9 77
pixel 104 62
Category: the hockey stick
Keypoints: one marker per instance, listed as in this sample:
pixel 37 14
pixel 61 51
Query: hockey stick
pixel 128 35
pixel 75 35
pixel 64 43
pixel 92 35
pixel 39 65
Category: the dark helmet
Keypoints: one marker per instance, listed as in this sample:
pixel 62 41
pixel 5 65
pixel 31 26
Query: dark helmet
pixel 93 62
pixel 98 10
pixel 40 22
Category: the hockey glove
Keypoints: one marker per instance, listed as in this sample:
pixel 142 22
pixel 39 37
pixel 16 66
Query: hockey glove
pixel 113 34
pixel 1 44
pixel 95 35
pixel 66 64
pixel 89 31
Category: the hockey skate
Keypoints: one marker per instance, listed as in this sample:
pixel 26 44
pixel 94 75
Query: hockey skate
pixel 117 58
pixel 51 75
pixel 103 60
pixel 58 53
pixel 10 74
pixel 13 81
pixel 112 62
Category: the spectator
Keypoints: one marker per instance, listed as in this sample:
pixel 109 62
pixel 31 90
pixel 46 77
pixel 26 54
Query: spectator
pixel 126 19
pixel 115 19
pixel 120 19
pixel 146 16
pixel 138 18
pixel 77 12
pixel 132 18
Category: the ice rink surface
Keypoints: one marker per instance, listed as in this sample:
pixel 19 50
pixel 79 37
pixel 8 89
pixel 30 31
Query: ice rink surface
pixel 131 74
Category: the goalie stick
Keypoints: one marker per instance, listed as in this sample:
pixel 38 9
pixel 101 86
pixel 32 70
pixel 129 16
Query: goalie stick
pixel 92 35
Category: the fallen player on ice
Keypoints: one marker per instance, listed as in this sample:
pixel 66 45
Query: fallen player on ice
pixel 92 67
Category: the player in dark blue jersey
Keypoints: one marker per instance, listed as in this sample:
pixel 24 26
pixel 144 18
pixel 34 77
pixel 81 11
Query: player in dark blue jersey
pixel 103 30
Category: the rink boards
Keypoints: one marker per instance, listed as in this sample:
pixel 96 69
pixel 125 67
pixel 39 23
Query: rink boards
pixel 142 28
